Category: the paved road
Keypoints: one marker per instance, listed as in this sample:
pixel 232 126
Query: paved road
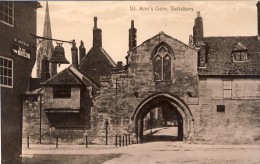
pixel 166 131
pixel 152 153
pixel 176 152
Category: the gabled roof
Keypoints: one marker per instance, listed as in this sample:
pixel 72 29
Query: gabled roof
pixel 65 77
pixel 98 50
pixel 220 60
pixel 71 76
pixel 159 36
pixel 239 47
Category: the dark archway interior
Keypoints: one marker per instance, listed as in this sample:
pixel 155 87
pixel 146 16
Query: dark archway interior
pixel 160 121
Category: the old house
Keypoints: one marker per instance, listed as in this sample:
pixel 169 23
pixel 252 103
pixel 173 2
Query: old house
pixel 17 57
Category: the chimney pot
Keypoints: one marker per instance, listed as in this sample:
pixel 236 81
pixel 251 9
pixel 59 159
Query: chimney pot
pixel 132 24
pixel 82 51
pixel 74 53
pixel 119 64
pixel 132 36
pixel 198 14
pixel 95 22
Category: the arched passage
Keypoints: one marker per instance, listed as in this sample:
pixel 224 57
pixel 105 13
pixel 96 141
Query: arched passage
pixel 177 106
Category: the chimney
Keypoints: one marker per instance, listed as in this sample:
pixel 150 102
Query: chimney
pixel 198 30
pixel 74 53
pixel 97 35
pixel 82 51
pixel 132 36
pixel 258 18
pixel 119 64
pixel 45 75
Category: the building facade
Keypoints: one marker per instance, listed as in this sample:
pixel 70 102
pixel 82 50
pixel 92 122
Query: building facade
pixel 17 58
pixel 209 88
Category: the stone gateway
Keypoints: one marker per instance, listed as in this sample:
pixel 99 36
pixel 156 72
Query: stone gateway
pixel 208 89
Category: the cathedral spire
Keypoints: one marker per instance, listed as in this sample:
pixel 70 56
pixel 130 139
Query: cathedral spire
pixel 47 23
pixel 46 48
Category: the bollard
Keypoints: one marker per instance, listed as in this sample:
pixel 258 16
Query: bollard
pixel 123 141
pixel 129 139
pixel 120 140
pixel 126 140
pixel 57 139
pixel 28 142
pixel 116 140
pixel 86 141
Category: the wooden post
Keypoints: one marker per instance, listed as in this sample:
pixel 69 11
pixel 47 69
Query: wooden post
pixel 57 140
pixel 126 140
pixel 86 141
pixel 120 140
pixel 28 142
pixel 116 140
pixel 129 139
pixel 123 140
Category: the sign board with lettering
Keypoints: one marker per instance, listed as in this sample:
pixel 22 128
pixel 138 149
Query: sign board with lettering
pixel 21 48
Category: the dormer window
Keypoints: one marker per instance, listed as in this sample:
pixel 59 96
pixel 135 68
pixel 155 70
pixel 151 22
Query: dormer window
pixel 239 52
pixel 240 56
pixel 162 64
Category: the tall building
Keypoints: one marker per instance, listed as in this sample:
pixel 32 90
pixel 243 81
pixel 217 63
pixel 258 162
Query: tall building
pixel 17 58
pixel 46 47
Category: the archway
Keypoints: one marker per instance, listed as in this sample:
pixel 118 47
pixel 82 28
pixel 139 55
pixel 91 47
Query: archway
pixel 177 107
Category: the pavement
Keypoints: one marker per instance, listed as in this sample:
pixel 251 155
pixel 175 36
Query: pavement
pixel 151 152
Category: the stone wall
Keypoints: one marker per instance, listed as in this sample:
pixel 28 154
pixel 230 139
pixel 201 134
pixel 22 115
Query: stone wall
pixel 239 124
pixel 117 104
pixel 57 103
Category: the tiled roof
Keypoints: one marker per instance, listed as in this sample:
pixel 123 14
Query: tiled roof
pixel 219 56
pixel 71 76
pixel 64 77
pixel 96 63
pixel 98 51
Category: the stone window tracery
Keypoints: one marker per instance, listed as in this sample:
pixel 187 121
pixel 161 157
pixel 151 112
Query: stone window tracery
pixel 162 65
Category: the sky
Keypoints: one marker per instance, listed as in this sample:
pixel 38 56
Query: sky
pixel 74 20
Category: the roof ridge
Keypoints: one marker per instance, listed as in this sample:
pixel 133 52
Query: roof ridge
pixel 230 36
pixel 55 76
pixel 80 75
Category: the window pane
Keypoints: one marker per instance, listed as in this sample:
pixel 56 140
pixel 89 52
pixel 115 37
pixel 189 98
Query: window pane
pixel 5 62
pixel 61 92
pixel 227 93
pixel 157 68
pixel 243 56
pixel 227 84
pixel 9 72
pixel 5 80
pixel 5 71
pixel 9 81
pixel 1 71
pixel 167 68
pixel 10 21
pixel 9 64
pixel 6 12
pixel 2 80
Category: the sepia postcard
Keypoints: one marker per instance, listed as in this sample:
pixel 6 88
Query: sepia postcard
pixel 130 82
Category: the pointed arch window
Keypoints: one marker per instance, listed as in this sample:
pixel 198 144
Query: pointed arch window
pixel 157 68
pixel 162 65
